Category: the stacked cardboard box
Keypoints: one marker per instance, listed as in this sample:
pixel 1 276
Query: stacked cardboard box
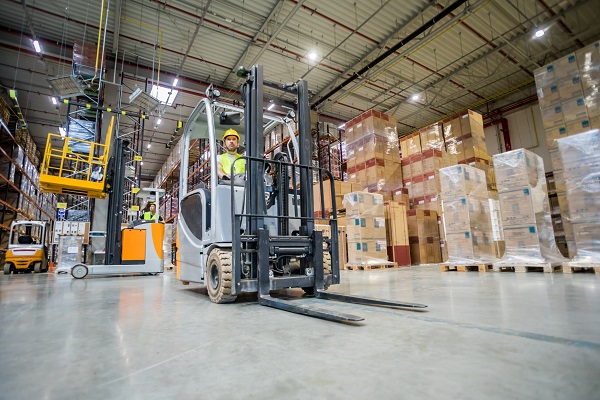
pixel 423 237
pixel 365 228
pixel 323 210
pixel 373 153
pixel 398 248
pixel 342 241
pixel 581 157
pixel 525 209
pixel 468 224
pixel 570 104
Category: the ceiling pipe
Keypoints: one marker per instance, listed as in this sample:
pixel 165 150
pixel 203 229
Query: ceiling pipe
pixel 446 11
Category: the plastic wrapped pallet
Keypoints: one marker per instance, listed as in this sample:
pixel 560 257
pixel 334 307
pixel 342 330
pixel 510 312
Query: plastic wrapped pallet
pixel 581 159
pixel 467 221
pixel 525 210
pixel 365 229
pixel 69 253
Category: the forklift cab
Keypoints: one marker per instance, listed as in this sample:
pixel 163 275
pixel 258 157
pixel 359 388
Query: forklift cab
pixel 27 247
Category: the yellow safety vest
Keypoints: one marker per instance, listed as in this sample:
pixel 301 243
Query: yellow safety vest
pixel 148 216
pixel 226 162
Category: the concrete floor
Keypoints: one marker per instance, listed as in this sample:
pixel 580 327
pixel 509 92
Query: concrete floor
pixel 485 336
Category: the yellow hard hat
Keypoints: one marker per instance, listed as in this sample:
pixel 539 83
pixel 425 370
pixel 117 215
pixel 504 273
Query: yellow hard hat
pixel 231 132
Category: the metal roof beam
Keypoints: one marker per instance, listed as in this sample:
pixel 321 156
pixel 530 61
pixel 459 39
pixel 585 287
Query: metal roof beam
pixel 277 7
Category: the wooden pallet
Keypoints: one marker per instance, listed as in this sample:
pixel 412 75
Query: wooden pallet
pixel 465 268
pixel 366 266
pixel 571 267
pixel 548 267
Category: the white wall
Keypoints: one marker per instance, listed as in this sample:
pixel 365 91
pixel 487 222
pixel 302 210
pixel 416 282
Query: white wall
pixel 526 131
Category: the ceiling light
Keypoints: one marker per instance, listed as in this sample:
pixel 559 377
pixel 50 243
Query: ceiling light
pixel 66 86
pixel 312 55
pixel 37 47
pixel 54 101
pixel 149 145
pixel 341 126
pixel 142 163
pixel 164 94
pixel 143 100
pixel 415 97
pixel 63 131
pixel 539 33
pixel 271 106
pixel 159 121
pixel 175 82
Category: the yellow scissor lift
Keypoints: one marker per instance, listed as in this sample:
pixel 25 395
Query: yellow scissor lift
pixel 64 171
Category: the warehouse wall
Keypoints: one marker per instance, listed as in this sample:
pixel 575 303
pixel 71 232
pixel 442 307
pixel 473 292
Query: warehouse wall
pixel 526 131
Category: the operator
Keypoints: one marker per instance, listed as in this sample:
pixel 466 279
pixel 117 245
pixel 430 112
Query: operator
pixel 231 142
pixel 151 214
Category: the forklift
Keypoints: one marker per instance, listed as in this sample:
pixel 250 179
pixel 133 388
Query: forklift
pixel 27 247
pixel 255 232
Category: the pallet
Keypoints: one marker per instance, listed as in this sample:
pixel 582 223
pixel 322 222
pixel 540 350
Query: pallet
pixel 571 267
pixel 547 267
pixel 465 268
pixel 367 267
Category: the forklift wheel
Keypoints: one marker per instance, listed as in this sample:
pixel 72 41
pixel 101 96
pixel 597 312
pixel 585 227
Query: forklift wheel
pixel 326 271
pixel 37 267
pixel 219 276
pixel 79 271
pixel 7 269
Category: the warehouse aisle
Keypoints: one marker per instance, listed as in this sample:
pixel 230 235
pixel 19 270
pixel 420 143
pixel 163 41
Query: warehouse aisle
pixel 492 335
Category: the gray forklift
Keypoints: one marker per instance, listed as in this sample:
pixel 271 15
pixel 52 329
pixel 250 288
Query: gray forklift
pixel 255 232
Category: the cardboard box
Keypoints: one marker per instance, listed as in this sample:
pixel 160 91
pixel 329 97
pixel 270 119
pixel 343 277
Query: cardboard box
pixel 399 254
pixel 517 207
pixel 522 238
pixel 566 66
pixel 584 206
pixel 570 88
pixel 400 195
pixel 431 161
pixel 517 169
pixel 459 181
pixel 363 204
pixel 416 165
pixel 552 116
pixel 554 134
pixel 574 109
pixel 548 95
pixel 396 223
pixel 578 126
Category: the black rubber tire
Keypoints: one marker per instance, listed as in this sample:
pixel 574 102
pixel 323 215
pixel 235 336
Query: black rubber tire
pixel 219 276
pixel 79 271
pixel 7 269
pixel 326 271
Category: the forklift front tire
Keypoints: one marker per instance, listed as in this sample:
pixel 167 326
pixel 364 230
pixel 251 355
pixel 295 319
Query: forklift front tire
pixel 37 268
pixel 79 271
pixel 7 269
pixel 219 276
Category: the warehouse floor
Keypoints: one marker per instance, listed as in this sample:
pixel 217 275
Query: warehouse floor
pixel 486 335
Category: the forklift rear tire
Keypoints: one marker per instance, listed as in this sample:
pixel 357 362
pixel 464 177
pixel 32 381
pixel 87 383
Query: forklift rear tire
pixel 37 268
pixel 219 276
pixel 326 271
pixel 7 269
pixel 79 271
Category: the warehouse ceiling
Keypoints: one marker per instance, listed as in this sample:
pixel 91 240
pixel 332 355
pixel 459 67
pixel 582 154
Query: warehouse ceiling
pixel 414 59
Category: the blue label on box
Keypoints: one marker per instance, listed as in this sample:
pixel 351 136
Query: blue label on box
pixel 468 235
pixel 562 131
pixel 553 88
pixel 550 68
pixel 585 124
pixel 576 79
pixel 526 191
pixel 557 109
pixel 532 229
pixel 579 102
pixel 463 201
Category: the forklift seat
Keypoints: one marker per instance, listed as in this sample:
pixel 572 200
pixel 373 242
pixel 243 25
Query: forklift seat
pixel 24 239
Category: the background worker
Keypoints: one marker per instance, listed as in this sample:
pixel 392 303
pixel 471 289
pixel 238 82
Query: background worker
pixel 231 142
pixel 150 214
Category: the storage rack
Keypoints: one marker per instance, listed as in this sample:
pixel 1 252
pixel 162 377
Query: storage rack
pixel 20 197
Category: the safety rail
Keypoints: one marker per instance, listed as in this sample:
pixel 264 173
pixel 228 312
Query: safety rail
pixel 65 171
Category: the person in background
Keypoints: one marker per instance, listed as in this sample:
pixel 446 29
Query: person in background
pixel 150 214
